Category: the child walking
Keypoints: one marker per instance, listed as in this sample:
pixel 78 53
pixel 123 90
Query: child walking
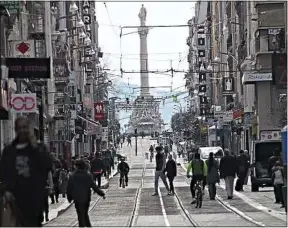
pixel 79 190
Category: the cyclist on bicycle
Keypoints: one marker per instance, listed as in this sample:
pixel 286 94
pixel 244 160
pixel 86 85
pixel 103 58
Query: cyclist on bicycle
pixel 199 173
pixel 123 168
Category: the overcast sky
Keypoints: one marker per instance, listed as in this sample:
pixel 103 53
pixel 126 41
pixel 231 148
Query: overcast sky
pixel 164 44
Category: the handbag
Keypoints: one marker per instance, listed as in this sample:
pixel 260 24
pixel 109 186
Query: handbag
pixel 10 214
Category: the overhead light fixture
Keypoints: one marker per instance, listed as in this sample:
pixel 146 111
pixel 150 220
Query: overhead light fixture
pixel 225 29
pixel 80 23
pixel 73 8
pixel 87 40
pixel 82 34
pixel 202 68
pixel 216 59
pixel 92 52
pixel 210 68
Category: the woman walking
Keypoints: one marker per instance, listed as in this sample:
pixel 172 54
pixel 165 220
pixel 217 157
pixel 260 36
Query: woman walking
pixel 212 175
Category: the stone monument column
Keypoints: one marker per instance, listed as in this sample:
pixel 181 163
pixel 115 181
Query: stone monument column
pixel 143 31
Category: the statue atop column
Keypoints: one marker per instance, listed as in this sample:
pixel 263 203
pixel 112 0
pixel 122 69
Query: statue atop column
pixel 142 15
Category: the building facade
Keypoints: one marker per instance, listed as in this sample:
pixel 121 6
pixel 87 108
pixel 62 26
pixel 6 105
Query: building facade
pixel 247 64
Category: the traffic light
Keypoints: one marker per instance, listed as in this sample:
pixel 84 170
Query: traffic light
pixel 135 131
pixel 127 100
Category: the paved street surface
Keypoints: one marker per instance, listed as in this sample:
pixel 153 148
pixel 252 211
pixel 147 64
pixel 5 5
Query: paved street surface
pixel 134 205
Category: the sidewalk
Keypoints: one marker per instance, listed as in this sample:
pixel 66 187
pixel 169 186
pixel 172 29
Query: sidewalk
pixel 58 208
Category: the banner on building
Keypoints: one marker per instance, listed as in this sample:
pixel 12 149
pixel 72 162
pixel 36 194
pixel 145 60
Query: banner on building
pixel 23 49
pixel 24 103
pixel 31 68
pixel 60 70
pixel 228 86
pixel 99 111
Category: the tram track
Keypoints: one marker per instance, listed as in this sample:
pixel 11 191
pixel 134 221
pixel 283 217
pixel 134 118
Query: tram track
pixel 134 213
pixel 224 204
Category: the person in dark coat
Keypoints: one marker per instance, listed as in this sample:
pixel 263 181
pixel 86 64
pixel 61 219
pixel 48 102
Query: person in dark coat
pixel 97 168
pixel 228 169
pixel 79 190
pixel 171 170
pixel 212 175
pixel 24 168
pixel 243 166
pixel 107 168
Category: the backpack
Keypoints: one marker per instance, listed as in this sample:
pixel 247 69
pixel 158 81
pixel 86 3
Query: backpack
pixel 194 172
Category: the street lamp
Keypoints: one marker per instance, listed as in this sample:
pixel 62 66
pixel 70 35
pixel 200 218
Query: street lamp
pixel 73 7
pixel 87 40
pixel 82 34
pixel 216 59
pixel 80 23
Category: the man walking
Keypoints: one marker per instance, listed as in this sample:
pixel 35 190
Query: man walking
pixel 243 166
pixel 228 169
pixel 171 169
pixel 79 190
pixel 97 168
pixel 24 169
pixel 159 172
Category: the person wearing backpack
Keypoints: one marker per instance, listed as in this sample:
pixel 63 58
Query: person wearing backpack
pixel 278 182
pixel 199 173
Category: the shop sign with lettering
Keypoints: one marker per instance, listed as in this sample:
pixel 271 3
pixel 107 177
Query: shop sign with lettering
pixel 86 6
pixel 32 68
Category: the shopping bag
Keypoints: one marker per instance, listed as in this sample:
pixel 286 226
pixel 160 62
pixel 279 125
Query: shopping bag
pixel 238 185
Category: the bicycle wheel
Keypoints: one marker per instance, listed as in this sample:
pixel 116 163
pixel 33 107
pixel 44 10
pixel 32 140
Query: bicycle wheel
pixel 123 184
pixel 200 198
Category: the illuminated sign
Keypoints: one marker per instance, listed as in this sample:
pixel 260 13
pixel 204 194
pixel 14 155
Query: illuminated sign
pixel 31 68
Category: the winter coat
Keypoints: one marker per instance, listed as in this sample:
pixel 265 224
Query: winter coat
pixel 212 172
pixel 228 166
pixel 97 165
pixel 171 168
pixel 242 164
pixel 106 161
pixel 79 187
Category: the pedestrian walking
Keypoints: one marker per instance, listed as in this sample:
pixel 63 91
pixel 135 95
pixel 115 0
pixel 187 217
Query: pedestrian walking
pixel 63 180
pixel 48 190
pixel 79 191
pixel 228 169
pixel 122 141
pixel 24 168
pixel 212 175
pixel 159 171
pixel 278 182
pixel 199 173
pixel 97 169
pixel 129 142
pixel 272 160
pixel 54 196
pixel 243 166
pixel 171 169
pixel 107 169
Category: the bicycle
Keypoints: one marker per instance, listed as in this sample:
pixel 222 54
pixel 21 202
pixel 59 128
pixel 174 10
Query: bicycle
pixel 199 193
